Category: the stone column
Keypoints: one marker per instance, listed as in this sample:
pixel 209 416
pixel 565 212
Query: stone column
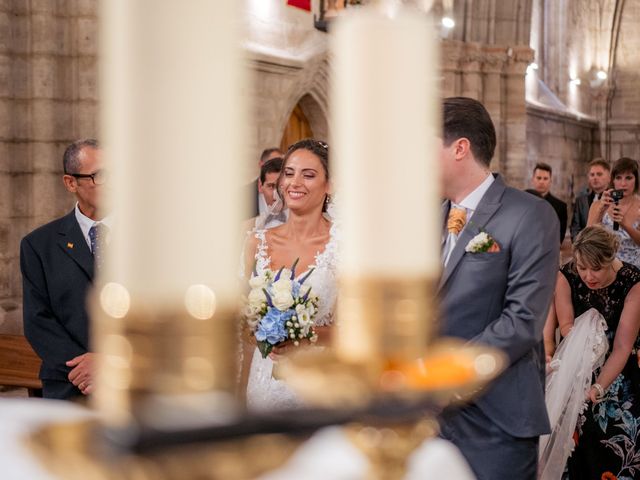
pixel 492 70
pixel 471 67
pixel 514 140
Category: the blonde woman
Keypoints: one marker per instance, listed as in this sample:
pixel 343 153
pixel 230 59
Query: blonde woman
pixel 608 429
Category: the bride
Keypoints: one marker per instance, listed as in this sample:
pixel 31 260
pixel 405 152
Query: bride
pixel 309 237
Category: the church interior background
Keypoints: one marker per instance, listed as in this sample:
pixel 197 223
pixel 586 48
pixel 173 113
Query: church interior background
pixel 559 77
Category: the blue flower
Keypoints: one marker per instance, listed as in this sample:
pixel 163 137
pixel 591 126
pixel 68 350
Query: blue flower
pixel 295 290
pixel 271 328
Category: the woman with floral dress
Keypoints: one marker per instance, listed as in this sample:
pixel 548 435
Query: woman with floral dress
pixel 609 428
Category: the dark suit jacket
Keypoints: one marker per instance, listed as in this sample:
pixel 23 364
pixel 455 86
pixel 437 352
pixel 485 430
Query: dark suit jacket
pixel 57 272
pixel 501 299
pixel 560 208
pixel 580 213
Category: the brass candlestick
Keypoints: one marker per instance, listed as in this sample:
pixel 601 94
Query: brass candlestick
pixel 162 366
pixel 386 348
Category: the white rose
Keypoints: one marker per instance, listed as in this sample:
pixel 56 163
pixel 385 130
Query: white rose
pixel 282 299
pixel 257 298
pixel 285 274
pixel 259 281
pixel 282 286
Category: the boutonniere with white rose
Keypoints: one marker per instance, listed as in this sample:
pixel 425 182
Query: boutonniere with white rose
pixel 482 242
pixel 280 308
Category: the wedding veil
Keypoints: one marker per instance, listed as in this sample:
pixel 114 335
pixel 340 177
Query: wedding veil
pixel 578 355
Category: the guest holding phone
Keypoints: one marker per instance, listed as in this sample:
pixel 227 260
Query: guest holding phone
pixel 619 209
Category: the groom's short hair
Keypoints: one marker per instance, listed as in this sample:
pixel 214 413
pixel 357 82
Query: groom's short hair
pixel 465 117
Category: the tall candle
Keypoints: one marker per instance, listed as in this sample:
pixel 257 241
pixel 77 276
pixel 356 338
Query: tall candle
pixel 385 112
pixel 173 125
pixel 385 117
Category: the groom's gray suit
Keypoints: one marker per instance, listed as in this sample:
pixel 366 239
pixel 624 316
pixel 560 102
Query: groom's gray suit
pixel 501 299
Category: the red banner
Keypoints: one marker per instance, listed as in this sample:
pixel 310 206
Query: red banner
pixel 303 4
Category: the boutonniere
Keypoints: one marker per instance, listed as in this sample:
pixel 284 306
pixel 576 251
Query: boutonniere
pixel 482 242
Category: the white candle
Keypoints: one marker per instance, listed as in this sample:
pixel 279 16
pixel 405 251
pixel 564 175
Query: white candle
pixel 385 118
pixel 173 126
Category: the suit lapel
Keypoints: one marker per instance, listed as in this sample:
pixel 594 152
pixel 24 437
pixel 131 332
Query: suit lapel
pixel 486 209
pixel 74 244
pixel 446 206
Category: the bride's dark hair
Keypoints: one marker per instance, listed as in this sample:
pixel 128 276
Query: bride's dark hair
pixel 318 148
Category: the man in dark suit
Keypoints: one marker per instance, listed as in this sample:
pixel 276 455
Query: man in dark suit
pixel 599 179
pixel 57 263
pixel 497 295
pixel 541 184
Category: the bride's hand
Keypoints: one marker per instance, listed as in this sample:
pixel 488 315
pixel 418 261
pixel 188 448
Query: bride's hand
pixel 280 350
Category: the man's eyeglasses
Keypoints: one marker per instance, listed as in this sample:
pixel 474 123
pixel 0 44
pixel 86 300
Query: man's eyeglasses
pixel 99 177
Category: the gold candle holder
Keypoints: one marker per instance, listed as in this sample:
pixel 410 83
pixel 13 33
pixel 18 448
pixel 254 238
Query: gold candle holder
pixel 388 319
pixel 73 451
pixel 158 366
pixel 386 349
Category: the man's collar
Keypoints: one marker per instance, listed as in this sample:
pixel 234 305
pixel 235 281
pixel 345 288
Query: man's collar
pixel 471 201
pixel 87 222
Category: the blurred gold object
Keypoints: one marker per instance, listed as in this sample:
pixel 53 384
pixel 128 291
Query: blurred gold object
pixel 384 318
pixel 73 451
pixel 387 447
pixel 155 363
pixel 450 371
pixel 385 350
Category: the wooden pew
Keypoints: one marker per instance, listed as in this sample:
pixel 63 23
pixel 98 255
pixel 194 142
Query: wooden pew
pixel 19 364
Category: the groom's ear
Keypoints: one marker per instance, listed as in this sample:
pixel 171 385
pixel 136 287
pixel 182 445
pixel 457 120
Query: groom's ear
pixel 462 148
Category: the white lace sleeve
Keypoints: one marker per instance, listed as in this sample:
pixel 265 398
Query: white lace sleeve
pixel 578 355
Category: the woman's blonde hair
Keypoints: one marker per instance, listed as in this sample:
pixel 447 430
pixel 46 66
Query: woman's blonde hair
pixel 596 246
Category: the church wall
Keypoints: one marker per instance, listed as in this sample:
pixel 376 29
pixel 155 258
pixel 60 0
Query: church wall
pixel 493 74
pixel 48 97
pixel 565 142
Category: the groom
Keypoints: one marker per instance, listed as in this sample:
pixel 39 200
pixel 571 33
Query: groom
pixel 497 294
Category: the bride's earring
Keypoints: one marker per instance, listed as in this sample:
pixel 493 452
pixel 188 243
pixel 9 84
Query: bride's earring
pixel 327 200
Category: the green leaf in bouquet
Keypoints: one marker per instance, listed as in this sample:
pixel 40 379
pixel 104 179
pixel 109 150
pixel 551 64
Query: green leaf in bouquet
pixel 265 348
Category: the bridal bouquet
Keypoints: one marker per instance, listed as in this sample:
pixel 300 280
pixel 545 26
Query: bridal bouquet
pixel 280 308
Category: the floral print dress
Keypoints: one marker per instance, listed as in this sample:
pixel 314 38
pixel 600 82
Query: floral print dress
pixel 608 442
pixel 629 251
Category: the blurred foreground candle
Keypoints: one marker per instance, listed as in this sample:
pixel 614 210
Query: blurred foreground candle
pixel 385 120
pixel 172 125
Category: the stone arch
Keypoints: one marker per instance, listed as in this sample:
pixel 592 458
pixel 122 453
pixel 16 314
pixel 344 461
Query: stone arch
pixel 312 114
pixel 312 98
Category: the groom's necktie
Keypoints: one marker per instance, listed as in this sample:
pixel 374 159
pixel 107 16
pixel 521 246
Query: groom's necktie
pixel 97 236
pixel 456 221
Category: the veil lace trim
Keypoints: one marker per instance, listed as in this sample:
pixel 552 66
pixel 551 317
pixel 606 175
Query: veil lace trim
pixel 581 352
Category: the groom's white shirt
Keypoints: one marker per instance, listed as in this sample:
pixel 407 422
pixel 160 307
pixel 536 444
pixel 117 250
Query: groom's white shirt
pixel 470 204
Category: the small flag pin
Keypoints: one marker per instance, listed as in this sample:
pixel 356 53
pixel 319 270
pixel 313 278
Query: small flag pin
pixel 69 245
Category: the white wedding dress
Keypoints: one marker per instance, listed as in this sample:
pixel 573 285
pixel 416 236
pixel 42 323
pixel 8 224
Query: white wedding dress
pixel 264 393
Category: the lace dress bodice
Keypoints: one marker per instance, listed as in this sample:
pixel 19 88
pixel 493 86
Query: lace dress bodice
pixel 322 280
pixel 629 251
pixel 264 393
pixel 609 301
